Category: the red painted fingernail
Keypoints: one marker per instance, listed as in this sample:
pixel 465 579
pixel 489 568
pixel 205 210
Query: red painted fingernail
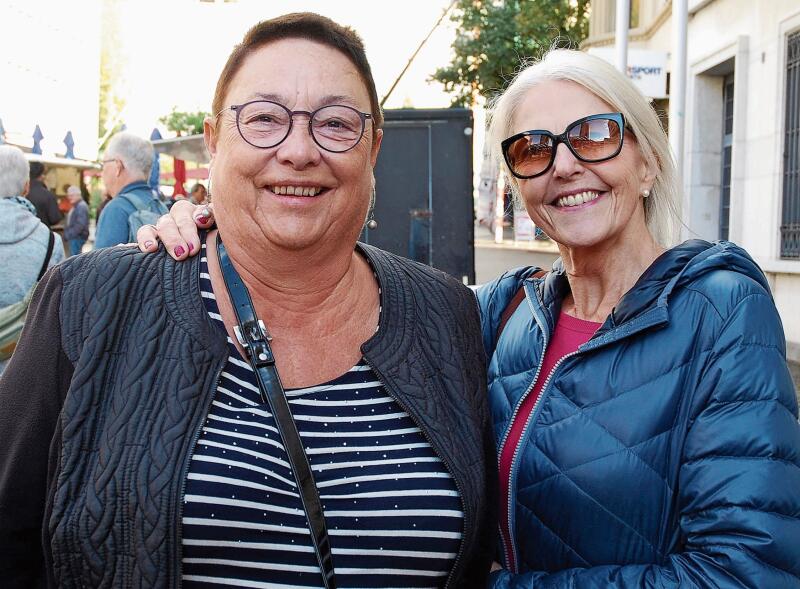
pixel 179 251
pixel 147 244
pixel 202 220
pixel 191 247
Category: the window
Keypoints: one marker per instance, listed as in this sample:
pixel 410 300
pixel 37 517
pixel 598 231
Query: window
pixel 790 217
pixel 633 20
pixel 727 149
pixel 607 15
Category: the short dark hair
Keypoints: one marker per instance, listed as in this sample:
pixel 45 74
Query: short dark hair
pixel 301 25
pixel 37 169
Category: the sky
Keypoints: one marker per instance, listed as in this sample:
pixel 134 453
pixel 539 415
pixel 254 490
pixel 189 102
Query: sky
pixel 172 52
pixel 176 48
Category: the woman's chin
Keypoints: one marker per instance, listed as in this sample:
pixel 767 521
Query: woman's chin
pixel 579 237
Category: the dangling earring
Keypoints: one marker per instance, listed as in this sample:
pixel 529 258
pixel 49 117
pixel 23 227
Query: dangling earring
pixel 208 190
pixel 645 193
pixel 371 222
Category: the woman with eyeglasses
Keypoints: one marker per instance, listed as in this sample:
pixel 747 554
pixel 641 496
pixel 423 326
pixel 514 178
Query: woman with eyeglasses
pixel 645 420
pixel 288 409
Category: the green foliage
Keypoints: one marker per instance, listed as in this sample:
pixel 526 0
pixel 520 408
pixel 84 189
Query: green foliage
pixel 495 36
pixel 184 123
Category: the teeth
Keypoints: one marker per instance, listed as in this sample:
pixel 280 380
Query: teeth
pixel 576 199
pixel 297 190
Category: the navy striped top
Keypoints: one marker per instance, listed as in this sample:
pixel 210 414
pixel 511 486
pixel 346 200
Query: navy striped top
pixel 394 514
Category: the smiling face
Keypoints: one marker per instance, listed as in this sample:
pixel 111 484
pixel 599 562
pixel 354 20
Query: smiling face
pixel 295 195
pixel 581 204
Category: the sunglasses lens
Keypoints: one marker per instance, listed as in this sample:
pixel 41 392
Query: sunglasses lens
pixel 530 155
pixel 596 139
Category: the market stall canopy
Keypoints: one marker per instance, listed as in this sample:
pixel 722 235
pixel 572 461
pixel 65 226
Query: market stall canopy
pixel 190 148
pixel 53 160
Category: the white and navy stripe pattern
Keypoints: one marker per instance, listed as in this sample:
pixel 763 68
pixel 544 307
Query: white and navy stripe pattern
pixel 393 512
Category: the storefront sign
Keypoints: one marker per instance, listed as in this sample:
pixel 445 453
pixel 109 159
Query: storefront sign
pixel 647 69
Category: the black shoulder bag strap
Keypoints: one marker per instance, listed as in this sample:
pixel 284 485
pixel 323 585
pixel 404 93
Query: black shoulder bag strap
pixel 254 338
pixel 50 245
pixel 515 302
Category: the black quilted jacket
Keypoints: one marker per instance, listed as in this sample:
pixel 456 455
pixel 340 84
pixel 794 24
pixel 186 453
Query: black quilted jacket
pixel 112 380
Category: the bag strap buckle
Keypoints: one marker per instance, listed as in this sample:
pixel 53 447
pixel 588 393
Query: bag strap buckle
pixel 254 337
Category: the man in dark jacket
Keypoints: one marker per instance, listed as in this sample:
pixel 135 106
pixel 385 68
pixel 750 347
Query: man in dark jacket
pixel 44 200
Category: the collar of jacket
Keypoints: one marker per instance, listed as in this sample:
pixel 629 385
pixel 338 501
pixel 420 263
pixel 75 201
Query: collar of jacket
pixel 395 328
pixel 183 300
pixel 396 308
pixel 136 187
pixel 644 306
pixel 397 336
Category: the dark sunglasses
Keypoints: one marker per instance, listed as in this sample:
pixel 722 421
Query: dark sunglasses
pixel 592 139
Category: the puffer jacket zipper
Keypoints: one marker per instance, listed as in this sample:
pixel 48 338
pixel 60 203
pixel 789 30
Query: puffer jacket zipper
pixel 506 514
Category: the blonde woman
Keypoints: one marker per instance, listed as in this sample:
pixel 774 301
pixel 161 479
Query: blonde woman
pixel 646 421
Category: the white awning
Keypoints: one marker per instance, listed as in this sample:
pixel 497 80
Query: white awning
pixel 191 148
pixel 63 162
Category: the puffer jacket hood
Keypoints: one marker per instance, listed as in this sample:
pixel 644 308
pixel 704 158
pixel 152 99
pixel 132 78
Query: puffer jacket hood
pixel 674 269
pixel 665 451
pixel 18 222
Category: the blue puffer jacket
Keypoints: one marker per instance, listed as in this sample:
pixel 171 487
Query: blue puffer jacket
pixel 666 451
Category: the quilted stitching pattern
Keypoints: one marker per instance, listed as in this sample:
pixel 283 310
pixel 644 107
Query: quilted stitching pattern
pixel 145 360
pixel 609 472
pixel 138 383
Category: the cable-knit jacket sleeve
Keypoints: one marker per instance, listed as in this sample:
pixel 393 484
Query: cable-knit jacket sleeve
pixel 32 390
pixel 738 494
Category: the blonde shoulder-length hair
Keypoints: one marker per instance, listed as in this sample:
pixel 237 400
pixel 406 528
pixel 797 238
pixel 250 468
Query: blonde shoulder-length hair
pixel 608 84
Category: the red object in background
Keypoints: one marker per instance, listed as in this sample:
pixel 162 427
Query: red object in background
pixel 180 177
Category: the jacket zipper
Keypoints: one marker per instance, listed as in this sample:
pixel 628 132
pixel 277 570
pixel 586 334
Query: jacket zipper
pixel 185 473
pixel 449 468
pixel 506 535
pixel 522 437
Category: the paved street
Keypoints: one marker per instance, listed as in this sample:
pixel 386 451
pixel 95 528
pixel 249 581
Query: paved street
pixel 492 261
pixel 795 370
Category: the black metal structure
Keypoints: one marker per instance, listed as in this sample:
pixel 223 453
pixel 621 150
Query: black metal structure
pixel 790 215
pixel 424 204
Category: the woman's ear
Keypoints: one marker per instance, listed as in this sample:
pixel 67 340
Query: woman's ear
pixel 651 170
pixel 376 147
pixel 210 136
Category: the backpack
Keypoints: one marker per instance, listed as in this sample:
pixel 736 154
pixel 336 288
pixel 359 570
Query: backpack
pixel 12 317
pixel 143 215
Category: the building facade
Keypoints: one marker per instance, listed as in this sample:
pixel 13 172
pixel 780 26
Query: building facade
pixel 741 160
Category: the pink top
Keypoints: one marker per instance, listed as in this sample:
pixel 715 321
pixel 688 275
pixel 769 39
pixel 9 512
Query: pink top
pixel 570 333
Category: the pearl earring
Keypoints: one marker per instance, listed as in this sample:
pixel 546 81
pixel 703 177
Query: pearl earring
pixel 645 193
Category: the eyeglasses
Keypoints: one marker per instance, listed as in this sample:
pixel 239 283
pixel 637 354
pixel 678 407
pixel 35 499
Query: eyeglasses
pixel 592 139
pixel 264 124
